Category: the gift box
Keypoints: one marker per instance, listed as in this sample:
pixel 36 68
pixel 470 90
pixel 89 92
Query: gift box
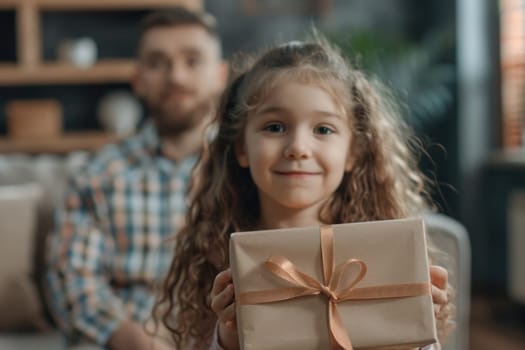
pixel 359 285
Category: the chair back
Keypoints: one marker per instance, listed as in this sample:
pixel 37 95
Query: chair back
pixel 451 237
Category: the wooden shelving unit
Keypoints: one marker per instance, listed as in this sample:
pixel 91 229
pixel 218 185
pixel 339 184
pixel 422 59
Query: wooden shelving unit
pixel 57 5
pixel 105 71
pixel 31 70
pixel 72 141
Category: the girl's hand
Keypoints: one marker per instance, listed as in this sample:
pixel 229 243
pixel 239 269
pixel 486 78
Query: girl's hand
pixel 223 304
pixel 439 280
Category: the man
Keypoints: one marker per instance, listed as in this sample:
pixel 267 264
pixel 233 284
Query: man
pixel 111 246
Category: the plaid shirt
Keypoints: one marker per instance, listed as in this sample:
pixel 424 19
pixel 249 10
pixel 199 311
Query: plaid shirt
pixel 111 245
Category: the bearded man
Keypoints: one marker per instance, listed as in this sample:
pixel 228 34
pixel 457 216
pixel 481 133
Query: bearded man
pixel 111 246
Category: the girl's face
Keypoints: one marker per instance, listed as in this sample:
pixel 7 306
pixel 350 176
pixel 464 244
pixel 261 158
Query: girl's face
pixel 297 147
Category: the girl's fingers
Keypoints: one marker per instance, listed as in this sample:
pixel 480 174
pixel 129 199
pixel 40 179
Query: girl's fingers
pixel 439 279
pixel 441 311
pixel 228 314
pixel 232 325
pixel 439 296
pixel 438 276
pixel 437 310
pixel 220 301
pixel 222 280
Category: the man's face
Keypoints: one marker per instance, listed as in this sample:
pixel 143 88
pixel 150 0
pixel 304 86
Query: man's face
pixel 179 76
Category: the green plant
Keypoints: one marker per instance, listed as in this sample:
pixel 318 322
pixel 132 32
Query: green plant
pixel 416 73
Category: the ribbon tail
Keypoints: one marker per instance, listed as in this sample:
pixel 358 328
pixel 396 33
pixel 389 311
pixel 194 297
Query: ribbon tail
pixel 339 336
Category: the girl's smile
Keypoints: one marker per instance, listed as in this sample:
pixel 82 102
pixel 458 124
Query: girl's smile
pixel 297 173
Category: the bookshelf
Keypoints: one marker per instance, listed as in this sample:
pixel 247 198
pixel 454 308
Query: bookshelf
pixel 30 69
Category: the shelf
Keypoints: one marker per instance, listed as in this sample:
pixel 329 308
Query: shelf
pixel 64 5
pixel 71 141
pixel 31 70
pixel 105 71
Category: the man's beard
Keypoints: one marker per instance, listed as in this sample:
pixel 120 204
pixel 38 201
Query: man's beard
pixel 173 121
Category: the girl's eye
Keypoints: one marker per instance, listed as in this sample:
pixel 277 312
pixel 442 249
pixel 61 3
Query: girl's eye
pixel 324 130
pixel 274 127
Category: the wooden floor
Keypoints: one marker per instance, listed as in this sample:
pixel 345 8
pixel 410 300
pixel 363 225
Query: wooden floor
pixel 496 324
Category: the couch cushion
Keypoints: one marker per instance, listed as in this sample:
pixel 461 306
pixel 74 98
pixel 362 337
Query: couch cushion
pixel 31 341
pixel 51 173
pixel 20 305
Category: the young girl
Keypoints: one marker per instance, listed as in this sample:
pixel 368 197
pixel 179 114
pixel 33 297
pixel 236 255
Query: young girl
pixel 303 139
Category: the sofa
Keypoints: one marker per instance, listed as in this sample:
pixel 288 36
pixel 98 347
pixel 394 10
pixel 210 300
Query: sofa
pixel 30 188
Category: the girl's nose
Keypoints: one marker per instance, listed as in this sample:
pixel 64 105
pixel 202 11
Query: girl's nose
pixel 297 147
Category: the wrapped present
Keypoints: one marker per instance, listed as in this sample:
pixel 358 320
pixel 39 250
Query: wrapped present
pixel 347 286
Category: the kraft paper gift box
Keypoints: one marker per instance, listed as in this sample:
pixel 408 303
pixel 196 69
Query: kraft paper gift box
pixel 382 297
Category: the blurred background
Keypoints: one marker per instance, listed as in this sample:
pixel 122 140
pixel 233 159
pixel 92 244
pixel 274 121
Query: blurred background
pixel 456 65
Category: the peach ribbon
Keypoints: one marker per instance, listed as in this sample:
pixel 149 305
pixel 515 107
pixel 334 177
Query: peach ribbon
pixel 333 288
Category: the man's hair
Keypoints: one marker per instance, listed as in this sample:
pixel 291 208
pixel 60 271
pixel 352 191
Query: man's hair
pixel 178 16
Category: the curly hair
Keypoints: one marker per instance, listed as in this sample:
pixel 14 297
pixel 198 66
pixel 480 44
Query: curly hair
pixel 384 183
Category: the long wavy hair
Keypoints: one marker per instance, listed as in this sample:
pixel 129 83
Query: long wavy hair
pixel 384 183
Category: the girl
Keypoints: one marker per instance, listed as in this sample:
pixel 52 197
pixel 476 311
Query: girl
pixel 303 139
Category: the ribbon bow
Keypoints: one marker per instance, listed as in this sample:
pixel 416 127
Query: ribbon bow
pixel 331 288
